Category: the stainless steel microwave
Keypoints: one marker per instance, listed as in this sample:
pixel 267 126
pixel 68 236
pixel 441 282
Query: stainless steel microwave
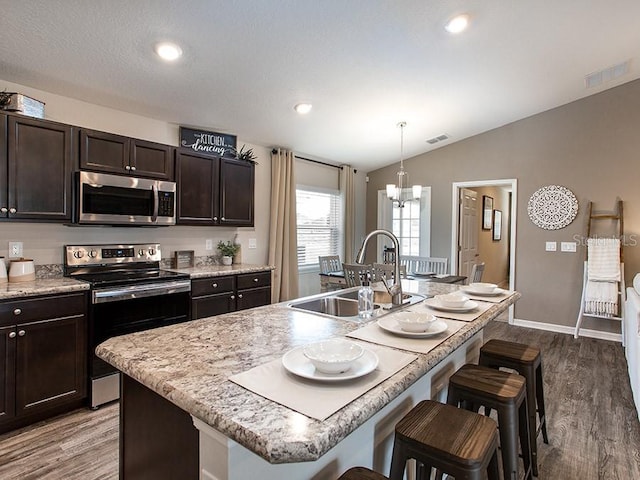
pixel 105 199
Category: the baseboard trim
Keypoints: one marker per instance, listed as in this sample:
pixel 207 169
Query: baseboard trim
pixel 584 332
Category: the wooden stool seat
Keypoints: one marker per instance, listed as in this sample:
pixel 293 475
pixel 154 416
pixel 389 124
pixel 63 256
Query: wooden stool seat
pixel 460 443
pixel 473 386
pixel 361 473
pixel 527 361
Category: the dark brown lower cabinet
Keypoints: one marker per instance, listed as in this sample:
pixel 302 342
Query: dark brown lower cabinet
pixel 44 358
pixel 157 439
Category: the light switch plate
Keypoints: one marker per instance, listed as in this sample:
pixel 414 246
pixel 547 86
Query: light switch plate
pixel 253 243
pixel 208 244
pixel 568 246
pixel 551 246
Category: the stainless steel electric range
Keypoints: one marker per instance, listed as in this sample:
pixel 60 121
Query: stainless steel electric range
pixel 129 293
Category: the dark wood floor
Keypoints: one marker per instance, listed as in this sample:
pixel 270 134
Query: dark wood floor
pixel 593 429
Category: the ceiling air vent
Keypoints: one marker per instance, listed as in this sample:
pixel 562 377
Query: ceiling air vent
pixel 596 79
pixel 437 139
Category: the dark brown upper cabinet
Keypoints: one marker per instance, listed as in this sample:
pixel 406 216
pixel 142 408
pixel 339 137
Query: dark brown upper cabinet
pixel 110 153
pixel 36 161
pixel 214 191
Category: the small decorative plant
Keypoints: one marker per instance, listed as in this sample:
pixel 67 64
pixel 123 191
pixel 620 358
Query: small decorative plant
pixel 228 249
pixel 247 155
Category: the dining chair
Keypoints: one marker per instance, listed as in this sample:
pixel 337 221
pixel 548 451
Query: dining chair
pixel 355 273
pixel 437 265
pixel 329 263
pixel 386 271
pixel 476 273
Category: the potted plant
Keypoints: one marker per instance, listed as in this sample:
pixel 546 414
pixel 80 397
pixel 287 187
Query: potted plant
pixel 228 251
pixel 246 155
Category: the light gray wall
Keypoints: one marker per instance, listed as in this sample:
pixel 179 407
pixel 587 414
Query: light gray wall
pixel 590 146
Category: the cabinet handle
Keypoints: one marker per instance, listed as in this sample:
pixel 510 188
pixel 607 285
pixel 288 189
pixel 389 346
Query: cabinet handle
pixel 233 297
pixel 214 285
pixel 17 311
pixel 133 169
pixel 222 218
pixel 127 167
pixel 21 333
pixel 239 295
pixel 4 209
pixel 12 210
pixel 255 280
pixel 12 335
pixel 215 219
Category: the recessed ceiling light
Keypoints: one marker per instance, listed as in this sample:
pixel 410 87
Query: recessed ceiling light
pixel 457 24
pixel 303 108
pixel 168 51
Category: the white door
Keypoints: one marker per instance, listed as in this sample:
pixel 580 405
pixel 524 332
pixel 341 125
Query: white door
pixel 467 231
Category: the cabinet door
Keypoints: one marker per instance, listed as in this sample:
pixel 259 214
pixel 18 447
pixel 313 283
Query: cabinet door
pixel 212 305
pixel 197 183
pixel 7 372
pixel 104 152
pixel 40 165
pixel 255 297
pixel 236 192
pixel 153 160
pixel 50 363
pixel 4 205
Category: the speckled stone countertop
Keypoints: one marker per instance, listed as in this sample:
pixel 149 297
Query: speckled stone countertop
pixel 41 286
pixel 205 271
pixel 189 364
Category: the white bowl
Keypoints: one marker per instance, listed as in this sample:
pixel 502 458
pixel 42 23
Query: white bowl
pixel 414 321
pixel 483 287
pixel 333 356
pixel 452 300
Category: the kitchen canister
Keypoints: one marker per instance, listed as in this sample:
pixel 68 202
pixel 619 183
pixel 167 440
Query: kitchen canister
pixel 3 271
pixel 22 270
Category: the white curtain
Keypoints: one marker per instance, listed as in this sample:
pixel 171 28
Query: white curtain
pixel 283 247
pixel 347 189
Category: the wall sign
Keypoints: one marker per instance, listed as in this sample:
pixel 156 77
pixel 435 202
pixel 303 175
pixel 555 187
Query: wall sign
pixel 552 207
pixel 213 143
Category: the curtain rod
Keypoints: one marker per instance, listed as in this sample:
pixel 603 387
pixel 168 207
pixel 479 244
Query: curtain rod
pixel 313 161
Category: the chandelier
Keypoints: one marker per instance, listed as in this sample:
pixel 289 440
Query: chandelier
pixel 400 193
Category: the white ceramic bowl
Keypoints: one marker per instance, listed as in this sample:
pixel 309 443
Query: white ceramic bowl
pixel 452 300
pixel 414 321
pixel 333 356
pixel 483 287
pixel 22 270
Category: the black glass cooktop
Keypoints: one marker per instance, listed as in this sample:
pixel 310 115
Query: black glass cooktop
pixel 127 277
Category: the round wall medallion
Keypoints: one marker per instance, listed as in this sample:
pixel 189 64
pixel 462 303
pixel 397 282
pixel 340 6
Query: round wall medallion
pixel 552 207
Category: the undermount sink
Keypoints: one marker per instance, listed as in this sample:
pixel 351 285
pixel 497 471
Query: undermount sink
pixel 344 303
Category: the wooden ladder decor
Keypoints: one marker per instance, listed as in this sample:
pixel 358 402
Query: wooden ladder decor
pixel 618 218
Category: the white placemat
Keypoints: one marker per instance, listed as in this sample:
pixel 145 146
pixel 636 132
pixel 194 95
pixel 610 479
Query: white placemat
pixel 373 333
pixel 465 317
pixel 489 298
pixel 313 398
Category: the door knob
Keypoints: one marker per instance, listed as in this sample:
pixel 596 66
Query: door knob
pixel 12 335
pixel 12 210
pixel 21 333
pixel 4 209
pixel 17 311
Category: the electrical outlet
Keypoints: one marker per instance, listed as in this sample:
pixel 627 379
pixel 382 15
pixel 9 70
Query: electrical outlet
pixel 568 246
pixel 253 243
pixel 208 244
pixel 15 249
pixel 551 246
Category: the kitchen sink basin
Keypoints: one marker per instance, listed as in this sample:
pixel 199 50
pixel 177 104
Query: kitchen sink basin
pixel 344 303
pixel 335 306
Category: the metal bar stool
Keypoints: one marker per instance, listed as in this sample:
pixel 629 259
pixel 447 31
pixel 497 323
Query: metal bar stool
pixel 473 386
pixel 361 473
pixel 453 441
pixel 527 361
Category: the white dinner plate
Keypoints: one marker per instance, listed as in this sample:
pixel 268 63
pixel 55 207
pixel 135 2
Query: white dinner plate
pixel 295 362
pixel 497 291
pixel 392 326
pixel 434 303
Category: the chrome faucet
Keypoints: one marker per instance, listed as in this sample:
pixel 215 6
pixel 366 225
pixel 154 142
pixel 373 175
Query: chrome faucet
pixel 395 291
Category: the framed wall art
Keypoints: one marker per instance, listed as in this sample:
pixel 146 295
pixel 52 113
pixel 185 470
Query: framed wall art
pixel 487 212
pixel 497 225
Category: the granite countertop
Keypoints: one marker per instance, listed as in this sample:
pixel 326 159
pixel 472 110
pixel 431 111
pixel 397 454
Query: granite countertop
pixel 205 271
pixel 189 364
pixel 41 286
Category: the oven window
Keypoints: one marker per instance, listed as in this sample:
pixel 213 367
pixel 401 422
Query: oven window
pixel 117 200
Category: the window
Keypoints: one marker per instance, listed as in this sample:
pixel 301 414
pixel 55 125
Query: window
pixel 319 224
pixel 406 226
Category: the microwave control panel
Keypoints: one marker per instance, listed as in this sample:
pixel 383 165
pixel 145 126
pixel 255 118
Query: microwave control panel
pixel 166 203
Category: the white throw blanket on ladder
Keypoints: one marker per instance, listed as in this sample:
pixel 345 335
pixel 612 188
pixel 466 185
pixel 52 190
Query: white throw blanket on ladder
pixel 603 275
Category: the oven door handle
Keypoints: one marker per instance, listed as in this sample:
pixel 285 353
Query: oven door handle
pixel 104 295
pixel 156 201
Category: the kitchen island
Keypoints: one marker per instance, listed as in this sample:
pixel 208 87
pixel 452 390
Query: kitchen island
pixel 241 435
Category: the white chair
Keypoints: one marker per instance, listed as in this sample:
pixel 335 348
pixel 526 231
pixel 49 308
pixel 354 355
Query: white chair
pixel 330 263
pixel 437 265
pixel 386 271
pixel 356 273
pixel 476 273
